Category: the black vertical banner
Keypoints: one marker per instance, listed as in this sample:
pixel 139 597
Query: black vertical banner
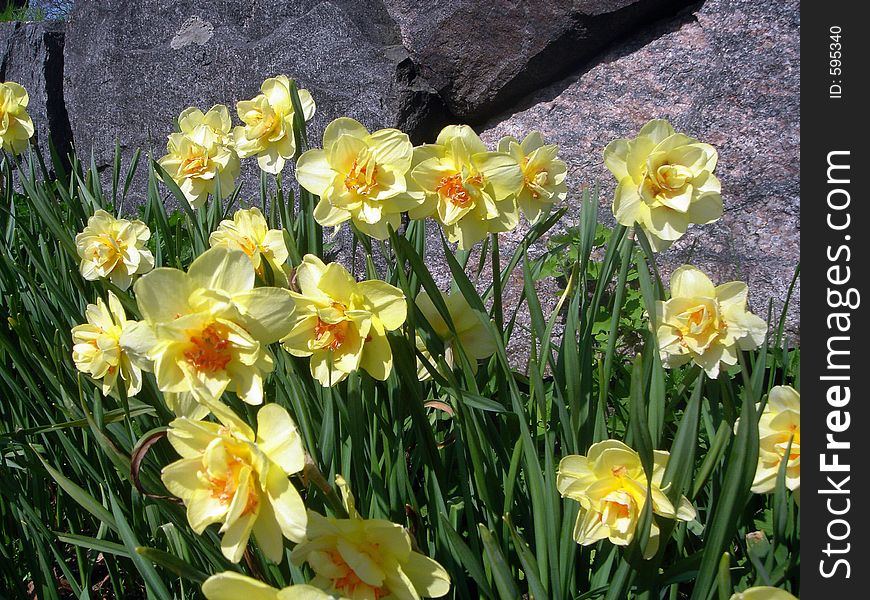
pixel 835 298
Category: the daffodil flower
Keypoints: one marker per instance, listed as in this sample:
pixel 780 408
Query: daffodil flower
pixel 475 339
pixel 217 119
pixel 235 586
pixel 543 173
pixel 342 324
pixel 665 182
pixel 763 593
pixel 16 126
pixel 367 558
pixel 611 486
pixel 468 189
pixel 208 330
pixel 230 475
pixel 779 424
pixel 97 348
pixel 114 249
pixel 706 324
pixel 196 158
pixel 360 176
pixel 268 129
pixel 249 232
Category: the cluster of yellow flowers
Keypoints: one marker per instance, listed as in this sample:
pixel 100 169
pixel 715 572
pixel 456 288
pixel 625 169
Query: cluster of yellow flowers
pixel 208 331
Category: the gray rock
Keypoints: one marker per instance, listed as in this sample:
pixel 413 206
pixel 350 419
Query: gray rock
pixel 727 73
pixel 31 54
pixel 483 55
pixel 132 67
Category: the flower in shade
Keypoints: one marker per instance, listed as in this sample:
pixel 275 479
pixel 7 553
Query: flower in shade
pixel 706 324
pixel 359 176
pixel 230 585
pixel 665 182
pixel 543 173
pixel 227 474
pixel 779 425
pixel 367 558
pixel 267 132
pixel 763 593
pixel 208 330
pixel 201 154
pixel 474 338
pixel 114 249
pixel 249 232
pixel 16 127
pixel 97 348
pixel 342 324
pixel 468 189
pixel 611 486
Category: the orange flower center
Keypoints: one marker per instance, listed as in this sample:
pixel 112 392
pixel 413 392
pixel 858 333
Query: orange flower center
pixel 349 583
pixel 195 164
pixel 361 180
pixel 210 350
pixel 338 332
pixel 450 188
pixel 224 488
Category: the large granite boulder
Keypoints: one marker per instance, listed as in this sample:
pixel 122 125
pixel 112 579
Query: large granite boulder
pixel 483 55
pixel 726 72
pixel 132 66
pixel 31 54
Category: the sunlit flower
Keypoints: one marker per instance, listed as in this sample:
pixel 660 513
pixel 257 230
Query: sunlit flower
pixel 230 585
pixel 16 127
pixel 231 476
pixel 97 350
pixel 268 129
pixel 543 173
pixel 611 487
pixel 185 404
pixel 780 423
pixel 201 154
pixel 475 339
pixel 208 330
pixel 469 190
pixel 704 323
pixel 360 176
pixel 114 249
pixel 763 593
pixel 341 324
pixel 217 119
pixel 249 232
pixel 367 558
pixel 666 182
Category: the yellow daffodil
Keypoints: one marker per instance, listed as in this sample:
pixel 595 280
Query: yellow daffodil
pixel 268 129
pixel 704 323
pixel 200 155
pixel 185 404
pixel 231 476
pixel 469 190
pixel 341 323
pixel 360 176
pixel 235 586
pixel 367 558
pixel 114 249
pixel 611 487
pixel 97 348
pixel 763 593
pixel 780 423
pixel 217 119
pixel 16 127
pixel 475 339
pixel 208 330
pixel 543 173
pixel 665 182
pixel 249 232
